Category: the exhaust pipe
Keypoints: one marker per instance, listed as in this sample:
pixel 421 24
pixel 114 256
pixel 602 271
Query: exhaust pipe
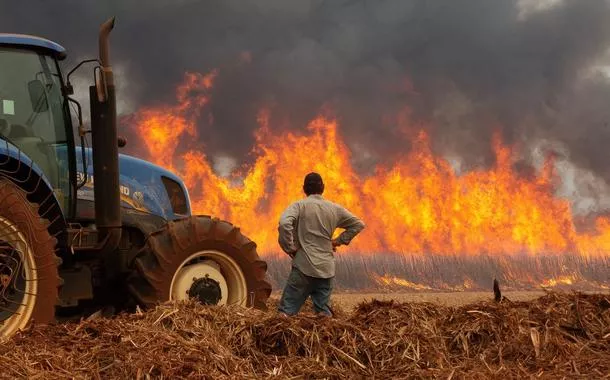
pixel 105 150
pixel 104 46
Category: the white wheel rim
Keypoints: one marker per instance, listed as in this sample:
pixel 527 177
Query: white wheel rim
pixel 10 324
pixel 217 266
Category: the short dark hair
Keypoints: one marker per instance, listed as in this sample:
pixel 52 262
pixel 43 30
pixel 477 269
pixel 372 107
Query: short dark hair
pixel 313 184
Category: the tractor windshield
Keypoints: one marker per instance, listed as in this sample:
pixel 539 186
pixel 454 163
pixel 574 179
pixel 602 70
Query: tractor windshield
pixel 33 115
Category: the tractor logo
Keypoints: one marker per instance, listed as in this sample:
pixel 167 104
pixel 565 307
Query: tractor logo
pixel 138 198
pixel 124 190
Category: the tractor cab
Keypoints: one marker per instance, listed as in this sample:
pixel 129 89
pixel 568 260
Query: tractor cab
pixel 34 115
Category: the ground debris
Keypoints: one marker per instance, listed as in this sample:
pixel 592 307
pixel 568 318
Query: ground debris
pixel 557 335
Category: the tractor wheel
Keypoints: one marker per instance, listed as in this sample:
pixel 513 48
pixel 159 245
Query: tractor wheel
pixel 200 258
pixel 28 265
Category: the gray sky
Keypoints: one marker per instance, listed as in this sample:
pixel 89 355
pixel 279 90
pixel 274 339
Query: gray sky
pixel 530 69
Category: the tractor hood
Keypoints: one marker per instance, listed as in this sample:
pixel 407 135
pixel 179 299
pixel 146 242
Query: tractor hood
pixel 144 187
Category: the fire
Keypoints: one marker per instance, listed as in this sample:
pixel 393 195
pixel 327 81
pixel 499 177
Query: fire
pixel 468 284
pixel 163 126
pixel 397 281
pixel 560 280
pixel 417 205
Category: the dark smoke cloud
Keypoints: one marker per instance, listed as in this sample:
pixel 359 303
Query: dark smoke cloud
pixel 462 69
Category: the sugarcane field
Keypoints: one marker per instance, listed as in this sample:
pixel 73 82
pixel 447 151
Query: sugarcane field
pixel 305 189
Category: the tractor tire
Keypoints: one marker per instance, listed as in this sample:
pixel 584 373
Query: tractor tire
pixel 29 279
pixel 203 258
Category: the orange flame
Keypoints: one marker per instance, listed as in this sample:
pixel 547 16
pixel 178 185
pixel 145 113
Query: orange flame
pixel 569 279
pixel 387 280
pixel 418 205
pixel 163 126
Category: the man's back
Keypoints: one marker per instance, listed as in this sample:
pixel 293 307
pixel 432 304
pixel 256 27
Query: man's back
pixel 305 233
pixel 306 229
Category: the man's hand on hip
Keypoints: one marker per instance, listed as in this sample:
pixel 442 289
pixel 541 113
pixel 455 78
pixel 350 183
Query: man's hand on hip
pixel 335 243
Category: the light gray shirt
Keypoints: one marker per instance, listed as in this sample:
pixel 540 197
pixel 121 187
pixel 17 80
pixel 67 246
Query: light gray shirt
pixel 314 220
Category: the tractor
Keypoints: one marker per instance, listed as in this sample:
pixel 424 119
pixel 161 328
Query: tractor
pixel 86 227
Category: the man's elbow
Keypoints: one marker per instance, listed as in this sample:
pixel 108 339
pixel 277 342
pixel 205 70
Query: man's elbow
pixel 286 222
pixel 283 226
pixel 360 225
pixel 355 229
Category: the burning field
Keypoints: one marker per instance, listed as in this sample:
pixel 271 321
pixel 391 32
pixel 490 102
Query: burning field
pixel 430 225
pixel 470 136
pixel 418 205
pixel 392 272
pixel 557 336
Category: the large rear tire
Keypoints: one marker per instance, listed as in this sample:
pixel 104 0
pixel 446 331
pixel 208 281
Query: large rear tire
pixel 28 265
pixel 203 258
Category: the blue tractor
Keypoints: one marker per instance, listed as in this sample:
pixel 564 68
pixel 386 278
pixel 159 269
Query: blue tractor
pixel 89 227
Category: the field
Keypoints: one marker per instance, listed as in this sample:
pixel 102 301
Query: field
pixel 460 335
pixel 397 273
pixel 348 301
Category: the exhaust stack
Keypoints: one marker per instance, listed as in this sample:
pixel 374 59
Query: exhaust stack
pixel 104 46
pixel 105 149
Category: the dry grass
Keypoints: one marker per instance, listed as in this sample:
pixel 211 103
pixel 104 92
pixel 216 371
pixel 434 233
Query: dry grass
pixel 457 272
pixel 558 335
pixel 349 301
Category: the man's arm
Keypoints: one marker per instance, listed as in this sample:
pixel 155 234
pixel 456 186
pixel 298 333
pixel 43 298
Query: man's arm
pixel 286 229
pixel 352 225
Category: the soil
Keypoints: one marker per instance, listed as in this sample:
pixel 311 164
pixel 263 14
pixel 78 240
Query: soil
pixel 349 300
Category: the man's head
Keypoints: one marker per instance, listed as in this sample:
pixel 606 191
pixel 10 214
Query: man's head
pixel 313 184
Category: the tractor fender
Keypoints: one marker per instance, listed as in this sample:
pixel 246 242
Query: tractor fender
pixel 16 166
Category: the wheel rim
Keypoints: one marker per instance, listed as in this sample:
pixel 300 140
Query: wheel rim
pixel 18 282
pixel 204 273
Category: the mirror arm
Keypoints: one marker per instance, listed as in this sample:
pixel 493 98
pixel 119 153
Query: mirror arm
pixel 69 87
pixel 81 132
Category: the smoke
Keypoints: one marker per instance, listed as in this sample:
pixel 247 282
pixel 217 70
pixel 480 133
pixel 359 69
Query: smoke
pixel 460 69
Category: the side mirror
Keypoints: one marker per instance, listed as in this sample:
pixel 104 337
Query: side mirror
pixel 38 96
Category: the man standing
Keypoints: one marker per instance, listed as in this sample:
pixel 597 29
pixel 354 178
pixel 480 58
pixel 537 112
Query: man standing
pixel 305 233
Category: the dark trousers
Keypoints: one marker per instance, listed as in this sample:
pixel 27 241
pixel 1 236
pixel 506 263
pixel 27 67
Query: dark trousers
pixel 299 287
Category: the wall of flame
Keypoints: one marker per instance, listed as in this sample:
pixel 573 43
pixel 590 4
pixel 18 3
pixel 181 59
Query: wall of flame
pixel 417 205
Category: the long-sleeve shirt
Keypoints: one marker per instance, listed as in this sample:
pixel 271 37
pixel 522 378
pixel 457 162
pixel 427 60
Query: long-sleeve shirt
pixel 305 233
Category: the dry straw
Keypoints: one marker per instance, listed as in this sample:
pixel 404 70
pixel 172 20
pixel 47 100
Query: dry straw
pixel 556 336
